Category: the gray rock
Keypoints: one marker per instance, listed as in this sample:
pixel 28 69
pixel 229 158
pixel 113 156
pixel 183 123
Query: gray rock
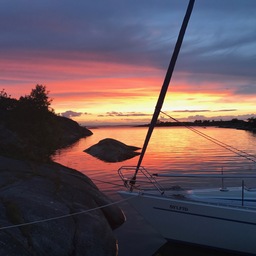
pixel 32 192
pixel 110 150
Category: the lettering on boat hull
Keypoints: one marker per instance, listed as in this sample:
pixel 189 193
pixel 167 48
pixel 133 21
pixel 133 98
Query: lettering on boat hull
pixel 178 208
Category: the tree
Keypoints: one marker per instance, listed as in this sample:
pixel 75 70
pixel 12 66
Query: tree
pixel 6 102
pixel 252 120
pixel 3 94
pixel 38 98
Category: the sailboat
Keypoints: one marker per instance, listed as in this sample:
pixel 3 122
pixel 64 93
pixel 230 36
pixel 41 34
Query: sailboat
pixel 222 218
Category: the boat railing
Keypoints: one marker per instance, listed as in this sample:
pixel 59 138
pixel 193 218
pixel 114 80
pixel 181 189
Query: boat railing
pixel 221 176
pixel 144 180
pixel 143 177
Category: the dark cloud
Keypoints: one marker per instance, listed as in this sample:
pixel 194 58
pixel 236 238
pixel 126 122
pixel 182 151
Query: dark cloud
pixel 248 89
pixel 191 111
pixel 203 110
pixel 70 114
pixel 124 30
pixel 80 25
pixel 225 110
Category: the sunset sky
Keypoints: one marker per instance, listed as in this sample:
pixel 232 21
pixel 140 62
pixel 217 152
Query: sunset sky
pixel 104 61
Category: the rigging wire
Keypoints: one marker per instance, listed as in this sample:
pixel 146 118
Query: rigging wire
pixel 107 182
pixel 217 142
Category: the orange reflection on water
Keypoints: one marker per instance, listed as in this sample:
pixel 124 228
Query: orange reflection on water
pixel 175 150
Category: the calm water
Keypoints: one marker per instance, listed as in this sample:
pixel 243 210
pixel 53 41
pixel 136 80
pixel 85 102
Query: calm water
pixel 170 150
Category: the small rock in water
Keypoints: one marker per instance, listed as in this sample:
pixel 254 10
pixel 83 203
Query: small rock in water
pixel 110 150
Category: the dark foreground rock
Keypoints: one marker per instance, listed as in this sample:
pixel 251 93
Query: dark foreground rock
pixel 110 150
pixel 31 192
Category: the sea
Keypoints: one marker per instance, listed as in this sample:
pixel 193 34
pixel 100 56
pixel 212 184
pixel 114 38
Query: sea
pixel 170 150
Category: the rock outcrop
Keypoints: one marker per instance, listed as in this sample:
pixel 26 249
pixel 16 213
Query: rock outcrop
pixel 71 131
pixel 31 192
pixel 110 150
pixel 38 139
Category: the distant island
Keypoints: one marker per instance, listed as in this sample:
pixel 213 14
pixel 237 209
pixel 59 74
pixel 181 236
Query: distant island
pixel 249 125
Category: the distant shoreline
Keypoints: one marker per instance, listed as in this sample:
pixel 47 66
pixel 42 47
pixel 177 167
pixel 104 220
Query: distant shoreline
pixel 233 124
pixel 249 125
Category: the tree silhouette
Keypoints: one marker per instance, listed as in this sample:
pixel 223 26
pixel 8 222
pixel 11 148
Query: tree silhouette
pixel 39 98
pixel 33 121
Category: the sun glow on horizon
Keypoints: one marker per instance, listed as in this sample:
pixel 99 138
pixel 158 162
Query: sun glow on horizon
pixel 95 91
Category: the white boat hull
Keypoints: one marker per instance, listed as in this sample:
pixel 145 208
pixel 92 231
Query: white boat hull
pixel 204 224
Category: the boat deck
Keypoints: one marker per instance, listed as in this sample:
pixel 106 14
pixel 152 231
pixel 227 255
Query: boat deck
pixel 229 197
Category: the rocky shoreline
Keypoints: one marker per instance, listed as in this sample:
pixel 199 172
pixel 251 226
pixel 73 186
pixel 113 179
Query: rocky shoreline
pixel 32 192
pixel 34 189
pixel 47 208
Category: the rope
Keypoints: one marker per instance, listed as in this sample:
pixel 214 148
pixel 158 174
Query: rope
pixel 93 179
pixel 107 182
pixel 217 142
pixel 65 215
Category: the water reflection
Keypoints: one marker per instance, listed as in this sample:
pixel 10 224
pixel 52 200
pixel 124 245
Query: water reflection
pixel 176 150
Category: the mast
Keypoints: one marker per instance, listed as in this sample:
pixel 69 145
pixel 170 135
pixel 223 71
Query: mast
pixel 166 82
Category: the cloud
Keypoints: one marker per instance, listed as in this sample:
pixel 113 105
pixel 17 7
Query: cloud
pixel 70 113
pixel 246 89
pixel 225 110
pixel 203 110
pixel 125 114
pixel 191 111
pixel 119 32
